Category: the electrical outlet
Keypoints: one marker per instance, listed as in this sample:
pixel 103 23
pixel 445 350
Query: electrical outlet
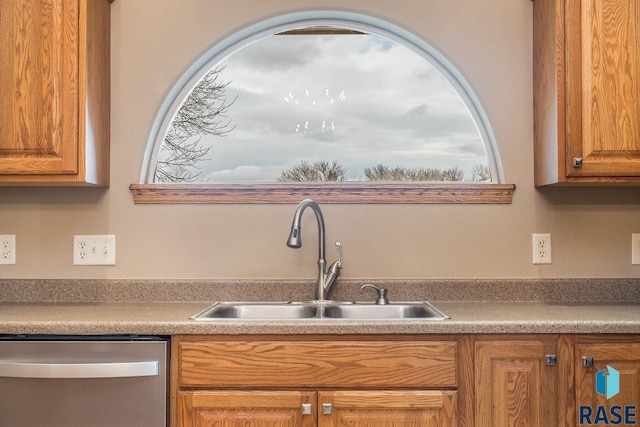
pixel 94 250
pixel 541 248
pixel 7 249
pixel 635 248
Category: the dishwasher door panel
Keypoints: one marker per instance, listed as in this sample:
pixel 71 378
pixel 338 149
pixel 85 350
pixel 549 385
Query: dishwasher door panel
pixel 83 383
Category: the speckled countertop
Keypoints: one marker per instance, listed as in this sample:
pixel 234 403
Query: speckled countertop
pixel 163 308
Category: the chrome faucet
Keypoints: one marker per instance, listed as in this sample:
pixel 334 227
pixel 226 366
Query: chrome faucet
pixel 327 278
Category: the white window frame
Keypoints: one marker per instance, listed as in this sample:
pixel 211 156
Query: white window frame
pixel 149 192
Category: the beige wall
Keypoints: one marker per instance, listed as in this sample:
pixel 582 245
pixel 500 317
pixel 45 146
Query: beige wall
pixel 153 42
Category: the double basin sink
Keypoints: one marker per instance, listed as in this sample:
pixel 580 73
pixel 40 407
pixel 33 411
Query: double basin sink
pixel 323 310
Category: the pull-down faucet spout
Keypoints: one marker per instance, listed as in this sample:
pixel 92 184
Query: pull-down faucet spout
pixel 326 279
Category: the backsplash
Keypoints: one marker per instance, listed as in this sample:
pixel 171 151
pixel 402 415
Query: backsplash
pixel 138 291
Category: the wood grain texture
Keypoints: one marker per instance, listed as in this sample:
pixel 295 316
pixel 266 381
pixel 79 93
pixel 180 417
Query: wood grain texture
pixel 54 123
pixel 325 193
pixel 409 408
pixel 548 90
pixel 315 364
pixel 250 408
pixel 39 81
pixel 595 80
pixel 624 357
pixel 513 385
pixel 566 388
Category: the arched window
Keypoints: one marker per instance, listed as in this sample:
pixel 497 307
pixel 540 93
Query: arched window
pixel 338 106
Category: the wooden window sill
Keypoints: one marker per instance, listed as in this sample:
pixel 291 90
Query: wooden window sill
pixel 347 193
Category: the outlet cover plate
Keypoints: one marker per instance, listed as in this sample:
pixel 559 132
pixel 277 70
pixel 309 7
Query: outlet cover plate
pixel 94 249
pixel 541 247
pixel 7 249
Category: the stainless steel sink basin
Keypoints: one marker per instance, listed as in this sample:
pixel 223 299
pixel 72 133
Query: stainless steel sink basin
pixel 308 310
pixel 404 310
pixel 257 311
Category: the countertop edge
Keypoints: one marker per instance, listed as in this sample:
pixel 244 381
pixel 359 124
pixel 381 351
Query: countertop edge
pixel 173 319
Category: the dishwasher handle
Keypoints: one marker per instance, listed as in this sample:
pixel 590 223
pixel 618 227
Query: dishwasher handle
pixel 79 370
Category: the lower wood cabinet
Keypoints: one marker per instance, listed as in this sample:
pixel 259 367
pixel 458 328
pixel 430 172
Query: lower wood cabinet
pixel 325 382
pixel 250 408
pixel 616 366
pixel 515 384
pixel 323 409
pixel 504 380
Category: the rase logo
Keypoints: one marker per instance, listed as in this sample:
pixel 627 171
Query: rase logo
pixel 608 385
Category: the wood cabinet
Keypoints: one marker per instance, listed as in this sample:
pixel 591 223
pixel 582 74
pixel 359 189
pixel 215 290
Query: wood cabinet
pixel 501 380
pixel 254 408
pixel 387 408
pixel 516 383
pixel 322 382
pixel 617 365
pixel 323 408
pixel 54 92
pixel 586 91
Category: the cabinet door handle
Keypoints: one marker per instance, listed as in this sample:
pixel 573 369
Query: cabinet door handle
pixel 552 359
pixel 327 409
pixel 307 409
pixel 587 361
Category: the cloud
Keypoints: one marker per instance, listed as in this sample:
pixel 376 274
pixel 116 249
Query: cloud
pixel 359 100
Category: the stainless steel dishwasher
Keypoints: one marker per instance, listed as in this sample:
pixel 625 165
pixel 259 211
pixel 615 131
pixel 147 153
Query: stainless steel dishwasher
pixel 101 381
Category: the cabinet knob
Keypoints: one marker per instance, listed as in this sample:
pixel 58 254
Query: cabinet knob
pixel 327 409
pixel 577 162
pixel 587 362
pixel 551 359
pixel 307 409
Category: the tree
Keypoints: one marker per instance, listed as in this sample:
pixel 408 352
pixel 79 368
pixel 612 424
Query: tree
pixel 318 171
pixel 481 172
pixel 204 112
pixel 381 172
pixel 384 173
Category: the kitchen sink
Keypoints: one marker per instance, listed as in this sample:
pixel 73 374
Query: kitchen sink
pixel 258 311
pixel 407 310
pixel 308 310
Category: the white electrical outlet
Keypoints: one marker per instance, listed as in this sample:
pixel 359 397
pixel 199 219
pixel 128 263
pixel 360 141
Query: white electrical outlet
pixel 635 248
pixel 541 248
pixel 7 249
pixel 94 250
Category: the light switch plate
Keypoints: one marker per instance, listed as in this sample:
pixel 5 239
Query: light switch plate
pixel 635 248
pixel 94 250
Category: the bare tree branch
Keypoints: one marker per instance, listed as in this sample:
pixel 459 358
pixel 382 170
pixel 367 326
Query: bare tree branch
pixel 319 171
pixel 204 112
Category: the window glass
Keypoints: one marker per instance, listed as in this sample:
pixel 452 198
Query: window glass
pixel 323 104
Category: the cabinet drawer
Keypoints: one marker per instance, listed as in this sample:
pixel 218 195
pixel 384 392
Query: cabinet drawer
pixel 335 364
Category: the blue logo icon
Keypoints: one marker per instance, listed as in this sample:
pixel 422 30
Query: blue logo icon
pixel 608 383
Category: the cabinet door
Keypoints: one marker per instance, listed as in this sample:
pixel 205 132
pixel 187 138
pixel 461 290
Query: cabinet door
pixel 251 408
pixel 514 385
pixel 624 358
pixel 38 87
pixel 603 87
pixel 387 408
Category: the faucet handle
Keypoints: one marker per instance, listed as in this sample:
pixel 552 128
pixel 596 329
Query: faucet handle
pixel 382 293
pixel 339 246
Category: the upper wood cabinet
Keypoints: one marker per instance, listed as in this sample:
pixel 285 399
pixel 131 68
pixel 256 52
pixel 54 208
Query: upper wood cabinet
pixel 586 91
pixel 54 92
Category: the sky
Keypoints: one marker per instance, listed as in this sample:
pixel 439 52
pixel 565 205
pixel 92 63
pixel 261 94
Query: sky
pixel 360 100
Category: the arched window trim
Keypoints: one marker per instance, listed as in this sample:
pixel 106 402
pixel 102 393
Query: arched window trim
pixel 148 192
